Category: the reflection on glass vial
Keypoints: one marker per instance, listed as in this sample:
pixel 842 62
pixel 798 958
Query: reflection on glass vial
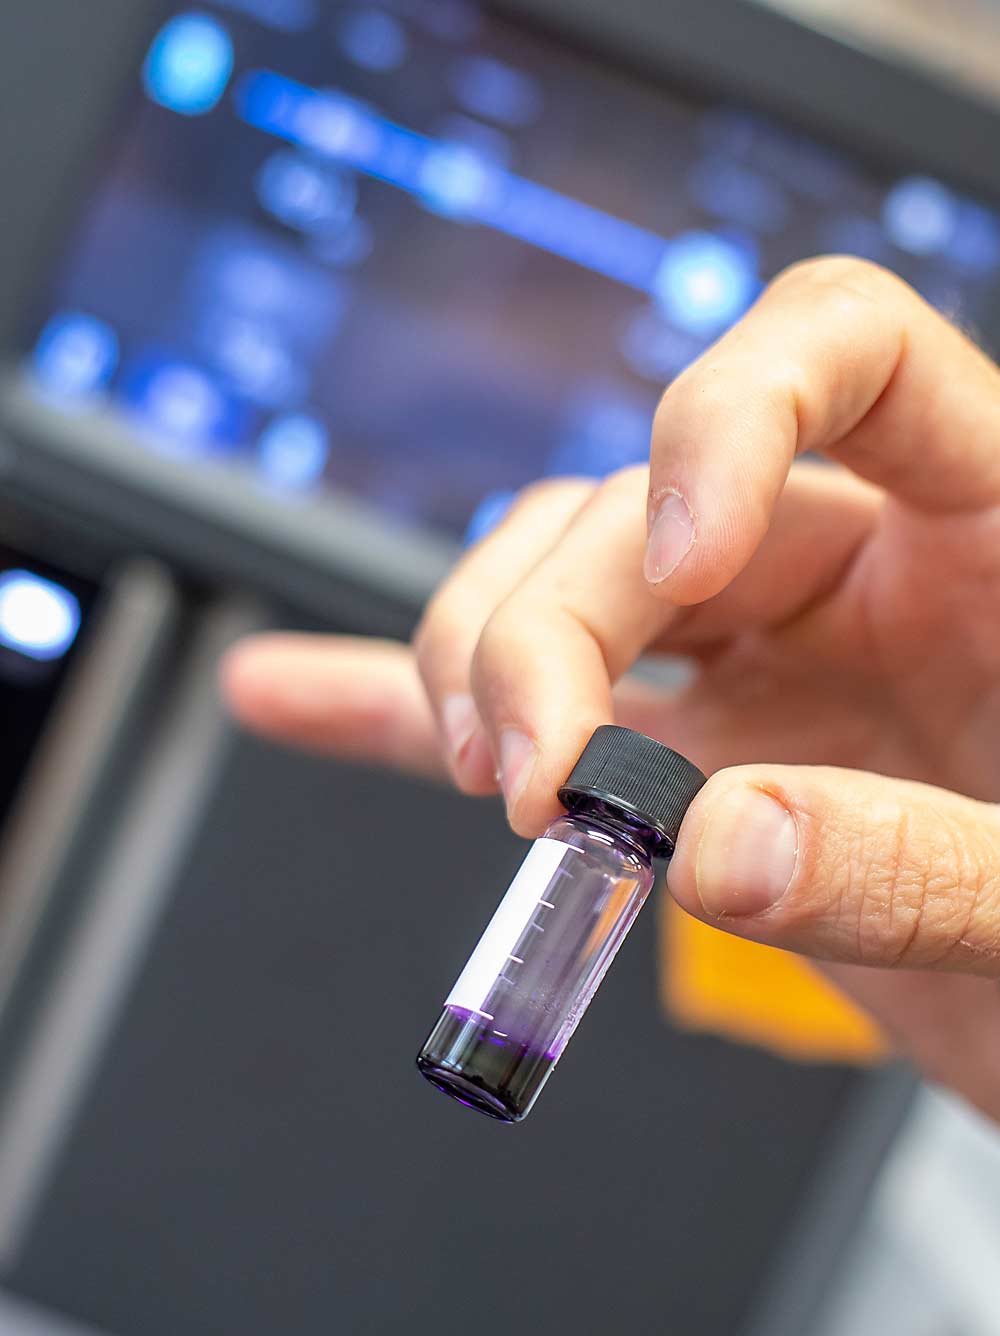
pixel 516 1004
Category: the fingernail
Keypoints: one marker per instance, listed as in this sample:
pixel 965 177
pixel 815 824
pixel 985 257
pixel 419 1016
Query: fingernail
pixel 747 854
pixel 460 719
pixel 670 538
pixel 517 756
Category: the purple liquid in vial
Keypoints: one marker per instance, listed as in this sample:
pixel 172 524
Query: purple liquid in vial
pixel 516 1004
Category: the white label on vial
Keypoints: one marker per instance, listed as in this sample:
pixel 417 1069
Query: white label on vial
pixel 506 926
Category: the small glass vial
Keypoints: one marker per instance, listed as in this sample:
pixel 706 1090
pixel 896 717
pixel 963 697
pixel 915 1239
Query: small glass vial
pixel 516 1004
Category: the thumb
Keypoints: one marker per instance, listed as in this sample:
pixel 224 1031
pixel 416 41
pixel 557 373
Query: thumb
pixel 844 866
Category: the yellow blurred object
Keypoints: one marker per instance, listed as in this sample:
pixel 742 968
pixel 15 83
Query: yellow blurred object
pixel 710 980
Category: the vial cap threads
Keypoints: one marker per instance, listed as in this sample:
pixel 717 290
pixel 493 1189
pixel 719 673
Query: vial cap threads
pixel 638 774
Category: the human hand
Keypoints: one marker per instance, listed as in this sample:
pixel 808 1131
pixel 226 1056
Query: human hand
pixel 837 616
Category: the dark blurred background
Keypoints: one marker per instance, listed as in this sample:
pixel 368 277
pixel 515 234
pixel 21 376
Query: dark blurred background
pixel 294 296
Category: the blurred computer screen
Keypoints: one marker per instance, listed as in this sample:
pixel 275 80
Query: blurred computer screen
pixel 419 254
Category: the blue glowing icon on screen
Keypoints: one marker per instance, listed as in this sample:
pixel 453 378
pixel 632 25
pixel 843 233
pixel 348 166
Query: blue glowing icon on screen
pixel 372 39
pixel 75 356
pixel 293 451
pixel 920 215
pixel 254 358
pixel 496 91
pixel 180 404
pixel 487 515
pixel 705 282
pixel 456 181
pixel 307 195
pixel 38 619
pixel 189 64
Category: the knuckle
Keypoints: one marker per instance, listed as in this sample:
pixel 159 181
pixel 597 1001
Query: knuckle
pixel 499 659
pixel 545 491
pixel 495 637
pixel 918 891
pixel 487 658
pixel 420 640
pixel 847 278
pixel 439 625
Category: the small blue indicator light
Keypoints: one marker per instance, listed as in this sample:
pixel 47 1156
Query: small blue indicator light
pixel 373 40
pixel 76 356
pixel 189 64
pixel 306 195
pixel 254 358
pixel 293 451
pixel 38 619
pixel 705 282
pixel 920 215
pixel 180 404
pixel 457 182
pixel 495 91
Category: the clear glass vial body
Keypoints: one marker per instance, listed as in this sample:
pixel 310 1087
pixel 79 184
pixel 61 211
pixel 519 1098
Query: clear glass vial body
pixel 516 1004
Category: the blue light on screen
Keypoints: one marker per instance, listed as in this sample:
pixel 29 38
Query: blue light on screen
pixel 496 91
pixel 372 39
pixel 586 236
pixel 179 403
pixel 457 182
pixel 920 215
pixel 75 356
pixel 330 123
pixel 189 64
pixel 38 619
pixel 293 451
pixel 492 144
pixel 253 358
pixel 346 247
pixel 451 179
pixel 306 195
pixel 705 282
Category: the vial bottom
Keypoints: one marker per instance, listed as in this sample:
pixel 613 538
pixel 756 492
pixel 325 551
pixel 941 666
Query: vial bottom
pixel 497 1075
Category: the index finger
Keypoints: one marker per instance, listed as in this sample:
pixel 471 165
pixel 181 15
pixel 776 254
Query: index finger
pixel 838 356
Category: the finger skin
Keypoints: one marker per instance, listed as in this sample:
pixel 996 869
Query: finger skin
pixel 869 871
pixel 549 656
pixel 446 639
pixel 820 523
pixel 358 698
pixel 361 699
pixel 838 356
pixel 543 670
